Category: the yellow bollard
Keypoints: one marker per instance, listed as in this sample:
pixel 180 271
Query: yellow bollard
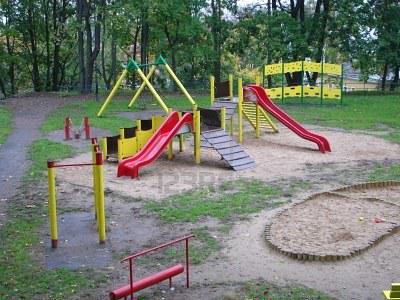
pixel 103 147
pixel 240 109
pixel 52 204
pixel 212 90
pixel 95 190
pixel 99 187
pixel 197 141
pixel 223 117
pixel 257 121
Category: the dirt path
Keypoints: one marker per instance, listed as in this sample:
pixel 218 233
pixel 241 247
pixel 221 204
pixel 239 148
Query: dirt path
pixel 28 114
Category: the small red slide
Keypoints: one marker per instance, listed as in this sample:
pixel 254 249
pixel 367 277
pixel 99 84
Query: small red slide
pixel 155 145
pixel 265 102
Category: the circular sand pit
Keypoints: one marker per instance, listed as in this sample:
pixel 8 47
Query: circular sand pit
pixel 338 224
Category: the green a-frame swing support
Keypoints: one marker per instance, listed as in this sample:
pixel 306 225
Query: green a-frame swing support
pixel 133 66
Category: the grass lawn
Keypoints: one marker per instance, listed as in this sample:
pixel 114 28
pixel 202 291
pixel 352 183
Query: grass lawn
pixel 373 113
pixel 21 275
pixel 5 124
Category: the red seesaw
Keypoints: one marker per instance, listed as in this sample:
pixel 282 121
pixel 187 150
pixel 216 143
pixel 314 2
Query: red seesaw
pixel 85 126
pixel 133 287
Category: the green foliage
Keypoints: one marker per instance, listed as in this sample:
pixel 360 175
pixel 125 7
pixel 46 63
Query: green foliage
pixel 381 173
pixel 5 124
pixel 40 152
pixel 266 291
pixel 231 199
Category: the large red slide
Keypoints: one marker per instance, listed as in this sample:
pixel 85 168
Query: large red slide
pixel 265 102
pixel 155 145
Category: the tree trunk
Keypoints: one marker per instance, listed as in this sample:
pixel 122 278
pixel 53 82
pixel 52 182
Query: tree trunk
pixel 11 66
pixel 81 50
pixel 385 71
pixel 216 35
pixel 46 8
pixel 37 83
pixel 395 82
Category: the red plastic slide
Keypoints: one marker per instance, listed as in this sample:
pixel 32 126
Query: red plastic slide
pixel 155 145
pixel 265 102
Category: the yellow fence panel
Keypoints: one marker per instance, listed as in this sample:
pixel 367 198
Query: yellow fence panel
pixel 273 69
pixel 312 67
pixel 312 91
pixel 274 93
pixel 142 137
pixel 331 93
pixel 293 67
pixel 292 91
pixel 333 69
pixel 129 147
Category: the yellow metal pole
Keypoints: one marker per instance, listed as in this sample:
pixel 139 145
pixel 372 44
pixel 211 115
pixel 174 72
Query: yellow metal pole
pixel 257 121
pixel 141 88
pixel 223 117
pixel 95 190
pixel 240 109
pixel 212 90
pixel 152 90
pixel 230 86
pixel 180 85
pixel 171 145
pixel 100 188
pixel 113 91
pixel 138 124
pixel 181 143
pixel 120 144
pixel 103 147
pixel 197 140
pixel 52 204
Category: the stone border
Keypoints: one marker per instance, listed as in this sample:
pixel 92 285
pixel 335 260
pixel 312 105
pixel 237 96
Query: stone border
pixel 313 257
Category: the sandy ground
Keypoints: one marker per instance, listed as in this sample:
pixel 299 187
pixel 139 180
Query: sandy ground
pixel 244 256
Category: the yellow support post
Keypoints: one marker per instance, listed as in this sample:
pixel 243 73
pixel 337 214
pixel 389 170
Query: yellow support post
pixel 52 204
pixel 95 190
pixel 257 121
pixel 230 86
pixel 113 92
pixel 197 141
pixel 138 124
pixel 152 90
pixel 212 90
pixel 103 147
pixel 99 187
pixel 223 117
pixel 171 145
pixel 181 143
pixel 120 148
pixel 180 85
pixel 240 109
pixel 141 88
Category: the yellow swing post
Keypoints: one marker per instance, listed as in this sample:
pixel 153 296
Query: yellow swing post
pixel 141 88
pixel 52 204
pixel 113 92
pixel 240 109
pixel 171 145
pixel 212 90
pixel 179 83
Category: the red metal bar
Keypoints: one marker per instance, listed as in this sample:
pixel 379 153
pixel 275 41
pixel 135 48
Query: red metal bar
pixel 158 247
pixel 67 128
pixel 187 262
pixel 87 127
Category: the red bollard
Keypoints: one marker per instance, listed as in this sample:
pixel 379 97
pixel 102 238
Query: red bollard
pixel 67 128
pixel 87 127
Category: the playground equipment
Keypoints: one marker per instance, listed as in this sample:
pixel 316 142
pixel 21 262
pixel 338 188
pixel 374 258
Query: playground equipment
pixel 130 140
pixel 393 293
pixel 258 95
pixel 172 126
pixel 85 126
pixel 222 96
pixel 330 80
pixel 98 191
pixel 132 66
pixel 136 286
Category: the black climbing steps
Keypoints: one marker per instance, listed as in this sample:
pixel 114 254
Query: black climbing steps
pixel 229 150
